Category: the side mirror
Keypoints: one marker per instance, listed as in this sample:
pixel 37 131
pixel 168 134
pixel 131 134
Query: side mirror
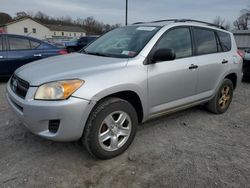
pixel 163 54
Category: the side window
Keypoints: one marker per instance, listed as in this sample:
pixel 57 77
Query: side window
pixel 16 43
pixel 179 40
pixel 205 41
pixel 34 44
pixel 1 43
pixel 225 40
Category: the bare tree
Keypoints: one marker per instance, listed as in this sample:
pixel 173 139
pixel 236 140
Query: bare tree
pixel 243 21
pixel 222 22
pixel 4 18
pixel 92 26
pixel 41 16
pixel 21 15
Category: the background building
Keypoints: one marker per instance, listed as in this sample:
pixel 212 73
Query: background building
pixel 58 31
pixel 30 27
pixel 242 38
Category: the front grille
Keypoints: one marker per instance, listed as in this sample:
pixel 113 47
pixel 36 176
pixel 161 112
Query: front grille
pixel 19 86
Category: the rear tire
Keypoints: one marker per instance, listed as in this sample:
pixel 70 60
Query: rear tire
pixel 222 100
pixel 110 129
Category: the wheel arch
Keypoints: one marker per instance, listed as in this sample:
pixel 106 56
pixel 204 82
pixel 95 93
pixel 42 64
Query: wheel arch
pixel 131 96
pixel 233 78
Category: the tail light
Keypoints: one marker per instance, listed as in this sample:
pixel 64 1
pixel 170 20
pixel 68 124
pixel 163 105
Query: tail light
pixel 62 52
pixel 241 53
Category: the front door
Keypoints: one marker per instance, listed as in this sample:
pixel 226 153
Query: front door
pixel 173 83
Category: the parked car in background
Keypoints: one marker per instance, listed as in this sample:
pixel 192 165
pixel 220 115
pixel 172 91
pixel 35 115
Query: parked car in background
pixel 78 44
pixel 246 63
pixel 55 43
pixel 16 50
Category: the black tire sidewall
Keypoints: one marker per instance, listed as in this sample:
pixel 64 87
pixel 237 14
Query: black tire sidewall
pixel 93 142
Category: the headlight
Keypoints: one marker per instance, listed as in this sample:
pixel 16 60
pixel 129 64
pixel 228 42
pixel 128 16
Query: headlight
pixel 58 90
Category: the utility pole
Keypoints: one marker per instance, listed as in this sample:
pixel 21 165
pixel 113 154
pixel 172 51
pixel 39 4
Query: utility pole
pixel 126 19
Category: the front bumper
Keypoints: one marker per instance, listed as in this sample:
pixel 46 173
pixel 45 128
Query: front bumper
pixel 72 113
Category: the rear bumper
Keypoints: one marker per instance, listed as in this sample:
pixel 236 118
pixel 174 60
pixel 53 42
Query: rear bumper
pixel 35 115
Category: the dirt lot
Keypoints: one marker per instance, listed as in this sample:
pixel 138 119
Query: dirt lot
pixel 192 148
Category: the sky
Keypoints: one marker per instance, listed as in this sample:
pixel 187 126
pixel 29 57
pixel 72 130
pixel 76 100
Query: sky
pixel 113 11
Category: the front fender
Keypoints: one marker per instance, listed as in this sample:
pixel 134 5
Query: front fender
pixel 105 92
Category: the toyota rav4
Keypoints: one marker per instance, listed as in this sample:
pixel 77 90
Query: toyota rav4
pixel 127 76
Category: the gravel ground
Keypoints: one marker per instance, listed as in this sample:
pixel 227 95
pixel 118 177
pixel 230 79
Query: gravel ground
pixel 192 148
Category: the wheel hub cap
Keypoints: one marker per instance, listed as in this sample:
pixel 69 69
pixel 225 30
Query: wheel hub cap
pixel 114 131
pixel 225 97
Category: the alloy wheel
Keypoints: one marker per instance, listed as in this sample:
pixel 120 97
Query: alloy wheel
pixel 225 97
pixel 115 131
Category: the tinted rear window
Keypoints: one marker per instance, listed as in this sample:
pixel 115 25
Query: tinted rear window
pixel 18 43
pixel 205 41
pixel 225 40
pixel 1 43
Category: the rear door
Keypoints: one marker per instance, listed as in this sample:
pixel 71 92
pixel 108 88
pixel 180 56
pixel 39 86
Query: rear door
pixel 49 50
pixel 212 61
pixel 4 67
pixel 21 51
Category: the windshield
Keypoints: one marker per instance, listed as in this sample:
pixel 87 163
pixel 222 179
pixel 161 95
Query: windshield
pixel 125 42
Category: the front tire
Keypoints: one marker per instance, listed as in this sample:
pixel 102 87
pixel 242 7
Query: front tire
pixel 110 129
pixel 222 100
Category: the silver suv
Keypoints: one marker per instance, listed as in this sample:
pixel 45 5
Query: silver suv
pixel 126 77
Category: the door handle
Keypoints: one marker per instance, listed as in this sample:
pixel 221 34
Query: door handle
pixel 192 66
pixel 224 61
pixel 37 55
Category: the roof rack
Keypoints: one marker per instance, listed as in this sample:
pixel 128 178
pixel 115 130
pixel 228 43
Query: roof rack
pixel 169 20
pixel 181 20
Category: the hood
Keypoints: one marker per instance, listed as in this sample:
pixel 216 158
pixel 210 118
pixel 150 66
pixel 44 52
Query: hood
pixel 70 66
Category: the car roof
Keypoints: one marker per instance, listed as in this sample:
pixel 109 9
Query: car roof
pixel 22 36
pixel 30 38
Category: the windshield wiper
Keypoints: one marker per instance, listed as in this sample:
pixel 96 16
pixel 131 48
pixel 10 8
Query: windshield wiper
pixel 103 55
pixel 96 53
pixel 93 53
